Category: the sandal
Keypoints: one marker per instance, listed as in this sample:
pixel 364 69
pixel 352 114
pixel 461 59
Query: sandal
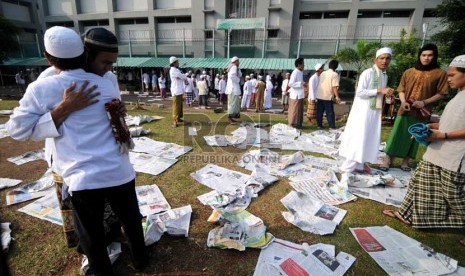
pixel 396 215
pixel 386 164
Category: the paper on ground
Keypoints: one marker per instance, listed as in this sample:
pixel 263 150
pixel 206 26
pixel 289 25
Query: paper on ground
pixel 32 190
pixel 223 202
pixel 224 141
pixel 6 112
pixel 282 134
pixel 27 157
pixel 252 134
pixel 6 235
pixel 7 182
pixel 192 131
pixel 398 254
pixel 241 230
pixel 114 250
pixel 160 149
pixel 150 164
pixel 138 131
pixel 311 215
pixel 137 120
pixel 220 179
pixel 151 200
pixel 287 258
pixel 321 188
pixel 174 222
pixel 3 132
pixel 46 208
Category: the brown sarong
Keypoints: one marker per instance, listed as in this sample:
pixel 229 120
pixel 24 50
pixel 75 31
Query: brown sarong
pixel 177 107
pixel 66 211
pixel 295 113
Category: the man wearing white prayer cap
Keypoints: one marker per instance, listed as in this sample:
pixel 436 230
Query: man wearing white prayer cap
pixel 361 137
pixel 233 90
pixel 178 79
pixel 435 197
pixel 419 88
pixel 313 83
pixel 86 154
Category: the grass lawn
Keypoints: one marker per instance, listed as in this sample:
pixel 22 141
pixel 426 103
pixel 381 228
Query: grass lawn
pixel 39 247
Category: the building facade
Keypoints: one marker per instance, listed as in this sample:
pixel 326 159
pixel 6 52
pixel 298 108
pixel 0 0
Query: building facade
pixel 189 28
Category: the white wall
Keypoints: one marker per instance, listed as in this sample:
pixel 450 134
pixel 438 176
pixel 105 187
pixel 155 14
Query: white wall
pixel 93 6
pixel 321 28
pixel 434 26
pixel 60 7
pixel 139 32
pixel 174 4
pixel 273 19
pixel 16 12
pixel 133 5
pixel 208 4
pixel 173 31
pixel 371 27
pixel 275 2
pixel 210 21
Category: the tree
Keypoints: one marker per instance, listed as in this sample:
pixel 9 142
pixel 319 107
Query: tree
pixel 452 38
pixel 361 57
pixel 8 33
pixel 405 53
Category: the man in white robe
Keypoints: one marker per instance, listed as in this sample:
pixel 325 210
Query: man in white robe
pixel 361 137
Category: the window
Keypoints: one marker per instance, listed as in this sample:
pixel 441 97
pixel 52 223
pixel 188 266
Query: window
pixel 68 24
pixel 336 14
pixel 310 15
pixel 179 19
pixel 369 14
pixel 396 13
pixel 430 13
pixel 93 23
pixel 208 34
pixel 132 21
pixel 273 33
pixel 241 8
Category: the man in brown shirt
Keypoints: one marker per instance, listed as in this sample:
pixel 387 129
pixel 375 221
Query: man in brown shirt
pixel 260 94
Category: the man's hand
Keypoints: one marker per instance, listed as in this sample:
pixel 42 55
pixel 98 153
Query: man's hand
pixel 84 97
pixel 418 104
pixel 386 91
pixel 435 135
pixel 74 101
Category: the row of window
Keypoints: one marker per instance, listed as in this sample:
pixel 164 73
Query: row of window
pixel 126 21
pixel 365 14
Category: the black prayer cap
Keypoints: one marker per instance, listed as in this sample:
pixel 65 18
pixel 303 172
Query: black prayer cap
pixel 101 40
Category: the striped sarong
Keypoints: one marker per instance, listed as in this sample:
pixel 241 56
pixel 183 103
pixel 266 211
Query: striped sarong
pixel 234 106
pixel 189 97
pixel 311 110
pixel 435 198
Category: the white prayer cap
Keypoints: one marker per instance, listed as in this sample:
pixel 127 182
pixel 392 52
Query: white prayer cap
pixel 62 42
pixel 204 72
pixel 260 77
pixel 173 59
pixel 318 66
pixel 247 77
pixel 234 59
pixel 384 50
pixel 251 75
pixel 288 74
pixel 458 61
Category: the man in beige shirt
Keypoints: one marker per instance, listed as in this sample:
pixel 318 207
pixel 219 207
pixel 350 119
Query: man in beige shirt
pixel 329 86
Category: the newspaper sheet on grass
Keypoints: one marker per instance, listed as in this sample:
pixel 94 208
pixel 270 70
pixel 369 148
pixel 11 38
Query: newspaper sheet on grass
pixel 224 141
pixel 138 131
pixel 174 222
pixel 228 181
pixel 283 134
pixel 137 120
pixel 160 149
pixel 325 142
pixel 151 200
pixel 388 188
pixel 32 190
pixel 323 188
pixel 240 230
pixel 3 132
pixel 286 258
pixel 311 215
pixel 46 208
pixel 6 235
pixel 8 182
pixel 27 157
pixel 252 135
pixel 323 163
pixel 399 254
pixel 150 164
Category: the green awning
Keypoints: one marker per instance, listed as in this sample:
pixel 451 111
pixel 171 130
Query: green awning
pixel 218 63
pixel 33 61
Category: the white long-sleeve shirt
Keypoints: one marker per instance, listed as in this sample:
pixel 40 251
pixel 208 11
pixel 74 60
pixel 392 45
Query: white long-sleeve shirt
pixel 222 86
pixel 87 155
pixel 234 77
pixel 177 81
pixel 296 91
pixel 313 87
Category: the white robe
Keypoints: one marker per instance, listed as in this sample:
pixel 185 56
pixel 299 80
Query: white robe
pixel 361 137
pixel 268 102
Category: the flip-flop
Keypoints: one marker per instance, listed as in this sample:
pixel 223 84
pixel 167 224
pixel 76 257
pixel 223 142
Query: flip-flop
pixel 395 214
pixel 405 168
